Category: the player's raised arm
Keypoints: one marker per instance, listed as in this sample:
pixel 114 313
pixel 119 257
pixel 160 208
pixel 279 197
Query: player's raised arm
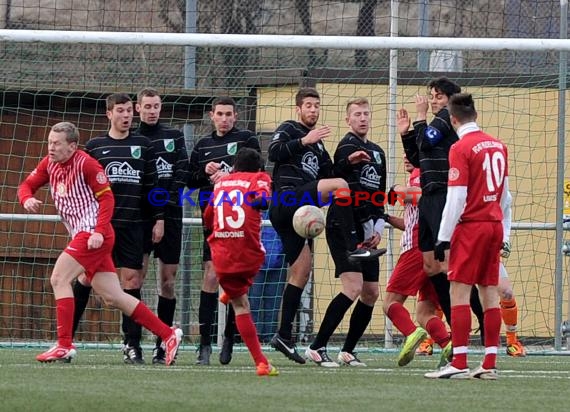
pixel 38 178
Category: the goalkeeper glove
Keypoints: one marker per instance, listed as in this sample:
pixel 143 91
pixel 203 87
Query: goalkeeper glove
pixel 506 249
pixel 439 251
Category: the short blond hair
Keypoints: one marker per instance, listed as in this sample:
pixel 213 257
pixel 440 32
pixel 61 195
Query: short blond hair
pixel 71 131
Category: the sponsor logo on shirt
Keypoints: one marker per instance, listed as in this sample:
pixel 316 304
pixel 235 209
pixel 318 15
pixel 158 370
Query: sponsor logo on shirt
pixel 369 178
pixel 310 164
pixel 122 172
pixel 163 168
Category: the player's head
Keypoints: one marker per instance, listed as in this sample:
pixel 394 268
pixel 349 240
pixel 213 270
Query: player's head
pixel 407 165
pixel 148 106
pixel 63 139
pixel 223 114
pixel 308 106
pixel 248 160
pixel 462 109
pixel 439 92
pixel 358 116
pixel 120 112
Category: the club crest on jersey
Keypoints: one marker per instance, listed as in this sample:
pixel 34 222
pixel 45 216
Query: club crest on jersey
pixel 169 145
pixel 453 174
pixel 232 148
pixel 136 152
pixel 61 189
pixel 377 157
pixel 101 178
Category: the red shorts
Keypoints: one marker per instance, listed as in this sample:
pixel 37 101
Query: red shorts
pixel 236 284
pixel 92 260
pixel 474 253
pixel 409 278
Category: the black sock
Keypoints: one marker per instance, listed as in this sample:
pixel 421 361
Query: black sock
pixel 206 316
pixel 289 306
pixel 342 217
pixel 81 297
pixel 359 321
pixel 333 316
pixel 165 311
pixel 230 329
pixel 441 286
pixel 477 309
pixel 132 330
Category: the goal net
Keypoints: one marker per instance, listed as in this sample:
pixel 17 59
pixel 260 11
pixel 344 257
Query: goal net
pixel 67 75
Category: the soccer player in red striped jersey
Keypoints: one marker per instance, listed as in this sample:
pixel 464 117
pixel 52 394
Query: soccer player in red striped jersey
pixel 83 198
pixel 473 229
pixel 410 279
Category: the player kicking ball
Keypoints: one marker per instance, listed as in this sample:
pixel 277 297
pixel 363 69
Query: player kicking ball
pixel 234 218
pixel 83 198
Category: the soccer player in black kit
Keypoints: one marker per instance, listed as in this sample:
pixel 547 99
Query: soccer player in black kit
pixel 172 174
pixel 213 157
pixel 303 174
pixel 130 165
pixel 427 147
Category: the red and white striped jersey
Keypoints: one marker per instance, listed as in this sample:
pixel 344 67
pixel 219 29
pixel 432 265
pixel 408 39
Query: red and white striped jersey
pixel 76 187
pixel 409 238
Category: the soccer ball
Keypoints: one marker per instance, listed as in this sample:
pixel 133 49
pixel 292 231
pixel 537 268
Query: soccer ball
pixel 309 221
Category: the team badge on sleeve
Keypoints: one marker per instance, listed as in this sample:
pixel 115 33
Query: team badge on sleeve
pixel 101 178
pixel 377 157
pixel 453 174
pixel 433 135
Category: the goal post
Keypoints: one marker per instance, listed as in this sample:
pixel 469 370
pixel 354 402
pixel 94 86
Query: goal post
pixel 523 109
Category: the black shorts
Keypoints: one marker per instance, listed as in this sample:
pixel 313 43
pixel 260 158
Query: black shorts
pixel 169 248
pixel 335 241
pixel 129 247
pixel 281 217
pixel 430 210
pixel 206 252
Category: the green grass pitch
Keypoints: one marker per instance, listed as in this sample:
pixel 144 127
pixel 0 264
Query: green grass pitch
pixel 97 380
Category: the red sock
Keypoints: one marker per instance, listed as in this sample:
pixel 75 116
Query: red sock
pixel 401 319
pixel 248 332
pixel 64 310
pixel 492 321
pixel 144 316
pixel 436 329
pixel 460 329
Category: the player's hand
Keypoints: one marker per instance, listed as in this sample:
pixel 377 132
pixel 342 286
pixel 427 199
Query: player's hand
pixel 211 168
pixel 95 241
pixel 316 135
pixel 158 231
pixel 422 106
pixel 32 205
pixel 506 249
pixel 439 251
pixel 358 156
pixel 217 176
pixel 403 121
pixel 373 241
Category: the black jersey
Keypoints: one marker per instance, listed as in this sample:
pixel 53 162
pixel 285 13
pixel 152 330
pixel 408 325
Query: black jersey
pixel 432 158
pixel 296 164
pixel 367 177
pixel 130 166
pixel 171 162
pixel 219 149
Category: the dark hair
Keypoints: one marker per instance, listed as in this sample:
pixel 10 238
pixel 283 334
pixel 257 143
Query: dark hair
pixel 248 160
pixel 444 85
pixel 147 92
pixel 462 107
pixel 223 100
pixel 305 92
pixel 70 130
pixel 117 98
